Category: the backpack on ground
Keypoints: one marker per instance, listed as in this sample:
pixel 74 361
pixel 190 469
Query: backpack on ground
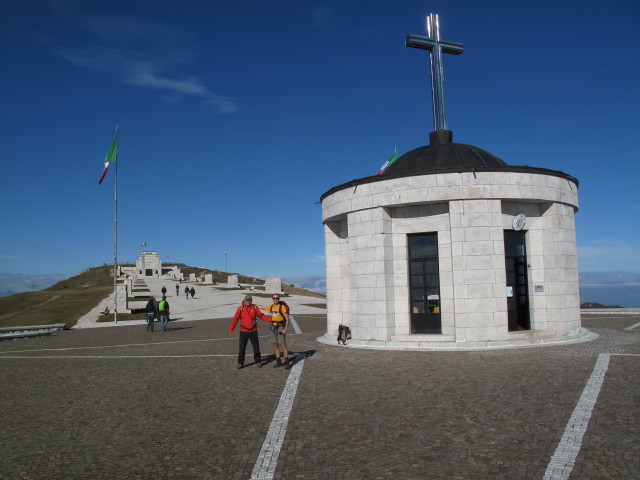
pixel 344 334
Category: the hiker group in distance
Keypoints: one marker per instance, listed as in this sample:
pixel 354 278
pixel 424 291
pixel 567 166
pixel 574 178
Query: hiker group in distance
pixel 161 310
pixel 247 315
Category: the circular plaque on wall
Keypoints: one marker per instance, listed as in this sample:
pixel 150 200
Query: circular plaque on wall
pixel 519 222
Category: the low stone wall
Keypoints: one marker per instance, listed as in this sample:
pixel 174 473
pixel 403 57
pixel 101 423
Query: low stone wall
pixel 610 311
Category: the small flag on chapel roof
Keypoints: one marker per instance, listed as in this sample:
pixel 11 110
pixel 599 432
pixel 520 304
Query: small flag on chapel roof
pixel 391 159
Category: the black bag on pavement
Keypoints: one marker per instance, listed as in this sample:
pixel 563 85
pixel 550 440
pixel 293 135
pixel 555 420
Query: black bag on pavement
pixel 344 334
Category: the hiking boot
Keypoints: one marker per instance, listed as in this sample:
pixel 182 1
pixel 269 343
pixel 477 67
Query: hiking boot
pixel 278 363
pixel 288 364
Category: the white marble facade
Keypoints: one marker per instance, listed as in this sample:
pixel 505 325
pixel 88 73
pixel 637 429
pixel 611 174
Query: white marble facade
pixel 148 264
pixel 367 224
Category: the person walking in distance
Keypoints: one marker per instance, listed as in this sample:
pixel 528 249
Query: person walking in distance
pixel 186 291
pixel 193 292
pixel 247 314
pixel 164 291
pixel 163 311
pixel 177 290
pixel 279 312
pixel 151 313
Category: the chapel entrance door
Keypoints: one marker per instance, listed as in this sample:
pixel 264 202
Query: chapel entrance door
pixel 424 278
pixel 517 286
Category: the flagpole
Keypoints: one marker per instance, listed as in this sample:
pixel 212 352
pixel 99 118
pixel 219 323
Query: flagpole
pixel 115 242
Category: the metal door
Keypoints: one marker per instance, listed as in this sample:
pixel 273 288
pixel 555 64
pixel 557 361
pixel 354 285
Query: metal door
pixel 424 283
pixel 515 255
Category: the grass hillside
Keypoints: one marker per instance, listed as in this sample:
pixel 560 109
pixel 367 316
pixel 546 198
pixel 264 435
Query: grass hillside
pixel 64 302
pixel 68 300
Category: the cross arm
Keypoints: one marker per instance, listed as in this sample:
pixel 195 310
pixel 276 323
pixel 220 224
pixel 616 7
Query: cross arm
pixel 426 43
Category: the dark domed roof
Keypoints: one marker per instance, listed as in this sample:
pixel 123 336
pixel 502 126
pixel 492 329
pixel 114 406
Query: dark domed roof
pixel 442 153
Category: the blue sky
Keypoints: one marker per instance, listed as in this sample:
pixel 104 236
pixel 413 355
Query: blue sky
pixel 235 117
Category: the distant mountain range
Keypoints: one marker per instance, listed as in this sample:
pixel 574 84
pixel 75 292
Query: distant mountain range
pixel 598 305
pixel 12 283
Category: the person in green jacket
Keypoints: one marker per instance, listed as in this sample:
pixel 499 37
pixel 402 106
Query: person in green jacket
pixel 163 311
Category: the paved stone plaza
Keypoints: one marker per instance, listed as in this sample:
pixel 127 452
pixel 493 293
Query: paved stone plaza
pixel 121 403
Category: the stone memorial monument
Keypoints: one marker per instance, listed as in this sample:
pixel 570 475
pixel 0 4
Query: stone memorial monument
pixel 232 280
pixel 273 285
pixel 148 264
pixel 123 297
pixel 451 247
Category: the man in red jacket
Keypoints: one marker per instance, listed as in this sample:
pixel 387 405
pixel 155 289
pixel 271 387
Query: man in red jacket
pixel 247 313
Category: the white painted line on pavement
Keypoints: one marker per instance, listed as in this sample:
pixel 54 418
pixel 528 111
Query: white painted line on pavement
pixel 265 466
pixel 564 458
pixel 126 345
pixel 296 328
pixel 633 326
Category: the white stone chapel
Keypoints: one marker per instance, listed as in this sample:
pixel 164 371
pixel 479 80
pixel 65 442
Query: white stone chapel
pixel 450 247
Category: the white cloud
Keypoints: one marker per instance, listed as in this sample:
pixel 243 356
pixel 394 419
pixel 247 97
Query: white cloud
pixel 606 278
pixel 607 255
pixel 11 283
pixel 142 54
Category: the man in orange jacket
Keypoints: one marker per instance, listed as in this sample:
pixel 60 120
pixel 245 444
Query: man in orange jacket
pixel 247 313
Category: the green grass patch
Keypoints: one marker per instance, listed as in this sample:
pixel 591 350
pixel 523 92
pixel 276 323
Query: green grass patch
pixel 64 302
pixel 291 290
pixel 315 305
pixel 216 275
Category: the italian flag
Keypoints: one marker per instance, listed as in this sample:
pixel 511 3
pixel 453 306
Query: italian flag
pixel 392 159
pixel 112 156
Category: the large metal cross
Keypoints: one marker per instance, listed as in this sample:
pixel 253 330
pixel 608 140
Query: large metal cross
pixel 436 47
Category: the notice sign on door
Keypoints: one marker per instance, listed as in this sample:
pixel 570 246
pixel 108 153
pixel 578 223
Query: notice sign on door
pixel 509 291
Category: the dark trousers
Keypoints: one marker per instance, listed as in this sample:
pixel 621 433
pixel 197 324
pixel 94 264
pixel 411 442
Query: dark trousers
pixel 244 338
